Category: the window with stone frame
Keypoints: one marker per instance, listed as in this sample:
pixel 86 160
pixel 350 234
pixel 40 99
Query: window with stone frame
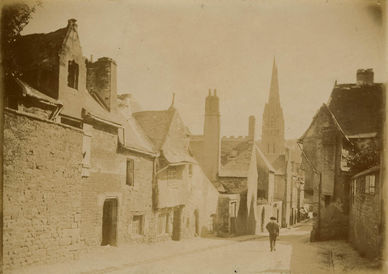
pixel 72 74
pixel 137 225
pixel 130 181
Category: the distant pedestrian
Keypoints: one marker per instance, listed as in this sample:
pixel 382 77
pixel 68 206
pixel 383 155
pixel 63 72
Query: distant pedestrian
pixel 273 230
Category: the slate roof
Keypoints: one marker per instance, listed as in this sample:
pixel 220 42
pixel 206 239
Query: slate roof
pixel 358 108
pixel 155 124
pixel 39 49
pixel 233 185
pixel 235 157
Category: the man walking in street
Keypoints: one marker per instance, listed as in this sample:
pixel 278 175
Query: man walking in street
pixel 273 229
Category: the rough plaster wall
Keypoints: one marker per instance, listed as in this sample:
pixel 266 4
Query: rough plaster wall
pixel 42 183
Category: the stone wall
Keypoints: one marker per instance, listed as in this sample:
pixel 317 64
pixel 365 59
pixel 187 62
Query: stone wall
pixel 365 229
pixel 42 188
pixel 107 179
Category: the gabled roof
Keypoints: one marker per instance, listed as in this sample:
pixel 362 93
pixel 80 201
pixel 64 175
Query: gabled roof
pixel 324 107
pixel 38 49
pixel 158 126
pixel 155 124
pixel 358 108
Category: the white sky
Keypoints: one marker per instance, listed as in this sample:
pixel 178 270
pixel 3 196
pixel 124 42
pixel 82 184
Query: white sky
pixel 190 46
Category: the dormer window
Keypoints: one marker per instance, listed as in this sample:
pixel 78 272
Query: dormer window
pixel 72 74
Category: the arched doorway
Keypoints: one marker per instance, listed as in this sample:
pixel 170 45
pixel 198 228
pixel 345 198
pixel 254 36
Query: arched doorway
pixel 109 222
pixel 196 222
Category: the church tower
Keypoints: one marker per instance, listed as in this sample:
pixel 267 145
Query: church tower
pixel 212 138
pixel 272 138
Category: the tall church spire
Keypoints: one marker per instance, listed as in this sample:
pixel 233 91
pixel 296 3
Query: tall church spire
pixel 272 139
pixel 274 88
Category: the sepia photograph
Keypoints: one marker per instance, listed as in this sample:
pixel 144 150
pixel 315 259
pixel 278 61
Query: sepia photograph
pixel 196 136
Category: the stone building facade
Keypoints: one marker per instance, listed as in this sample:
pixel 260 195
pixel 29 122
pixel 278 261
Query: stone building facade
pixel 236 174
pixel 184 197
pixel 352 117
pixel 78 172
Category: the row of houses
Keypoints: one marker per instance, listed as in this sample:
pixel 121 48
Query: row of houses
pixel 343 149
pixel 83 168
pixel 81 173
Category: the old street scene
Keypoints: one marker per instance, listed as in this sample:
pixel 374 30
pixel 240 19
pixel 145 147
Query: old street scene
pixel 193 137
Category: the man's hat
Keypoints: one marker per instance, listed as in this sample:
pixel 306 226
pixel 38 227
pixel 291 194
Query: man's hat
pixel 273 218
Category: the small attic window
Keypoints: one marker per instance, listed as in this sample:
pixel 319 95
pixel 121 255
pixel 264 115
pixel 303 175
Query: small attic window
pixel 72 74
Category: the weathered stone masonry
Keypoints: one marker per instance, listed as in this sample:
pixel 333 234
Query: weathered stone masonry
pixel 42 188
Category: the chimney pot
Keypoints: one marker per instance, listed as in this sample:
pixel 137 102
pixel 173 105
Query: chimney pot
pixel 365 76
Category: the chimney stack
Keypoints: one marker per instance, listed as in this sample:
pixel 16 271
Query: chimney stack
pixel 101 79
pixel 252 128
pixel 365 76
pixel 72 23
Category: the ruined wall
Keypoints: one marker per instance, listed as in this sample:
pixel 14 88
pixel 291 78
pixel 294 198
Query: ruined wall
pixel 107 179
pixel 42 188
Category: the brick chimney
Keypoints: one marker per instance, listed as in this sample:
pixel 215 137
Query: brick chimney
pixel 252 128
pixel 365 76
pixel 101 80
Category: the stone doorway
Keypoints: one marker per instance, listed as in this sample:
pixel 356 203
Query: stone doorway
pixel 109 222
pixel 176 224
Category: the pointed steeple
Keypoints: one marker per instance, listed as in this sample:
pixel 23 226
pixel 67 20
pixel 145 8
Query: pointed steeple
pixel 274 88
pixel 272 138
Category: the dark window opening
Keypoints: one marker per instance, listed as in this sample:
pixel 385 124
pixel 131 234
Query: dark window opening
pixel 130 172
pixel 72 74
pixel 327 200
